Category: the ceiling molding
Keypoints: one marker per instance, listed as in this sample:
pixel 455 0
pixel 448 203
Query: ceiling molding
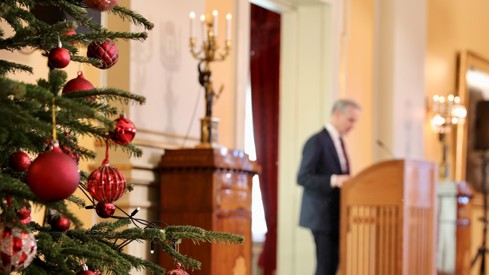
pixel 277 6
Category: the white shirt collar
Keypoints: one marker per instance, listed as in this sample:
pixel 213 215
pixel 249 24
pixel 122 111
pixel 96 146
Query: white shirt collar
pixel 335 136
pixel 333 131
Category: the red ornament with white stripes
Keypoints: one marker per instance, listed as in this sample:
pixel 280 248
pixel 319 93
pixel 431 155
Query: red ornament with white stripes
pixel 106 184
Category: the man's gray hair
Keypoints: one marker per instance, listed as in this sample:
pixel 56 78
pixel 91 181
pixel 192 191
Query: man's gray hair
pixel 342 104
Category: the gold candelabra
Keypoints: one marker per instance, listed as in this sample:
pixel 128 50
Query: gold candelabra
pixel 207 53
pixel 446 112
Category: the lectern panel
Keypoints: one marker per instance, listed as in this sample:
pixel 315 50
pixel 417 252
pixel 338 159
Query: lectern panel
pixel 387 221
pixel 372 240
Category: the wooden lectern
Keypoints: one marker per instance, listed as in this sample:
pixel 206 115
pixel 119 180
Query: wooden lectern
pixel 209 188
pixel 388 220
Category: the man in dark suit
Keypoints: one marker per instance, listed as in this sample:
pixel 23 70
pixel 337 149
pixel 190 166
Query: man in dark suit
pixel 324 168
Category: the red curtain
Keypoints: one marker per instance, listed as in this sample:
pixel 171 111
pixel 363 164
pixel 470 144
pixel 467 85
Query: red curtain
pixel 264 69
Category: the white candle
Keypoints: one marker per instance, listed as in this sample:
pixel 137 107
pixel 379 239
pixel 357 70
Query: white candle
pixel 192 20
pixel 228 26
pixel 214 22
pixel 202 21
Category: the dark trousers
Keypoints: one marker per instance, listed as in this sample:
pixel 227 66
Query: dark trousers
pixel 327 252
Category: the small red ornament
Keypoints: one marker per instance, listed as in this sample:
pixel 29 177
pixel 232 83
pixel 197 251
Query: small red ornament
pixel 17 250
pixel 85 271
pixel 59 57
pixel 70 32
pixel 24 212
pixel 26 220
pixel 107 52
pixel 20 161
pixel 101 5
pixel 72 154
pixel 105 209
pixel 106 184
pixel 124 131
pixel 60 223
pixel 53 175
pixel 178 271
pixel 77 84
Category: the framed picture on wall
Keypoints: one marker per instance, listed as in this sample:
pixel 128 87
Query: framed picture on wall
pixel 473 86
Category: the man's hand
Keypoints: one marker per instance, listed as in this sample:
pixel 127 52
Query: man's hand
pixel 338 180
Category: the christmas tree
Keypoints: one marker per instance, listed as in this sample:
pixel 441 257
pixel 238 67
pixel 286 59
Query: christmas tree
pixel 39 150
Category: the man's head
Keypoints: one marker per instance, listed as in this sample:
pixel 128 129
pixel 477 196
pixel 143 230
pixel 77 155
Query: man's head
pixel 345 114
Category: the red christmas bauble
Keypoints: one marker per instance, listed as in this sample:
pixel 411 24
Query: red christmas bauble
pixel 18 249
pixel 20 161
pixel 26 220
pixel 70 32
pixel 85 271
pixel 124 131
pixel 77 84
pixel 24 212
pixel 106 184
pixel 60 223
pixel 177 271
pixel 72 154
pixel 101 5
pixel 107 52
pixel 59 57
pixel 53 175
pixel 105 209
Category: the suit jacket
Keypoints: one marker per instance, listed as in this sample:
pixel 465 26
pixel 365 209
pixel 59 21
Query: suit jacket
pixel 320 209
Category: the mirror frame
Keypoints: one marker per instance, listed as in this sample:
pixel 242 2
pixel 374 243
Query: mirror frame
pixel 466 60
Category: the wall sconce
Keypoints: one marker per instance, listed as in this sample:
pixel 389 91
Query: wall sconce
pixel 446 113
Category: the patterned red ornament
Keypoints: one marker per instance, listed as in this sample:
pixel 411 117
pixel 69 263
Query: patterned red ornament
pixel 20 161
pixel 105 209
pixel 124 131
pixel 59 57
pixel 77 84
pixel 106 184
pixel 17 249
pixel 107 52
pixel 60 223
pixel 178 271
pixel 53 175
pixel 101 5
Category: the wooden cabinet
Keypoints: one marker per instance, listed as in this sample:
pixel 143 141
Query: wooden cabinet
pixel 209 188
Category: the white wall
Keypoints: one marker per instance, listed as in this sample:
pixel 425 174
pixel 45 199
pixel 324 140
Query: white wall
pixel 400 59
pixel 163 70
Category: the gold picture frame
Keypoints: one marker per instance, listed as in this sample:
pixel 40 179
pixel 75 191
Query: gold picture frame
pixel 466 159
